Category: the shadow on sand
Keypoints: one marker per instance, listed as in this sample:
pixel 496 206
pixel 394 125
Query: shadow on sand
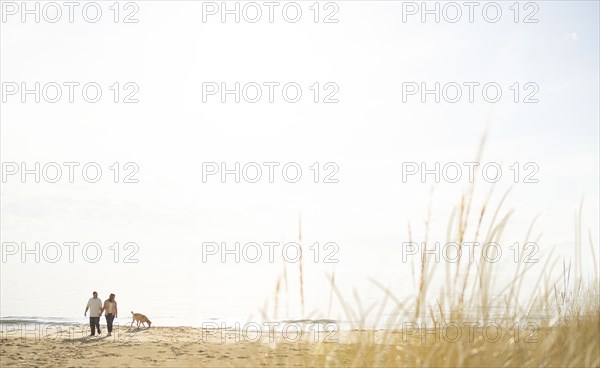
pixel 136 330
pixel 87 339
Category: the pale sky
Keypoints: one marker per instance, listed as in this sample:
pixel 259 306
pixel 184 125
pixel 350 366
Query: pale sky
pixel 369 53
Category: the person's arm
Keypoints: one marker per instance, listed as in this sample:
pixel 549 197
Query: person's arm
pixel 116 312
pixel 103 307
pixel 86 308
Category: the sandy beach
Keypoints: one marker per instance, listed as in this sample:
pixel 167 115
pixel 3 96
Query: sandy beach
pixel 69 346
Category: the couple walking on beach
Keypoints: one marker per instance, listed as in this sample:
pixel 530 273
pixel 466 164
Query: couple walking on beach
pixel 96 308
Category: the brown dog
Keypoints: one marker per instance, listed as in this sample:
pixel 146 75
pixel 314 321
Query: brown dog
pixel 140 319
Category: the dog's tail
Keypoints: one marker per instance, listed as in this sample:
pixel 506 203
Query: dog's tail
pixel 132 312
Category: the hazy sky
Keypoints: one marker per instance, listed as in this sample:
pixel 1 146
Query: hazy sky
pixel 368 135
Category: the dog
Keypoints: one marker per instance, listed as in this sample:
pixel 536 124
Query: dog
pixel 140 319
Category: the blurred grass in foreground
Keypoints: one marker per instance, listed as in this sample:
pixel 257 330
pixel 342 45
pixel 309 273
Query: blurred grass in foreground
pixel 558 326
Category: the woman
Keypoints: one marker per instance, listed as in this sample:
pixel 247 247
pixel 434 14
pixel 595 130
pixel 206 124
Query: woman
pixel 110 308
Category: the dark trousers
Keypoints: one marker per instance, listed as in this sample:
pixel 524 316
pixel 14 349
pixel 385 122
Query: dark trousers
pixel 95 322
pixel 109 321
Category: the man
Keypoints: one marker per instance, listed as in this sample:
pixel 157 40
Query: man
pixel 110 312
pixel 95 307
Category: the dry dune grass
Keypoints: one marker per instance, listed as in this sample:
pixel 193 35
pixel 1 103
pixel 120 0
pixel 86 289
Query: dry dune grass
pixel 466 325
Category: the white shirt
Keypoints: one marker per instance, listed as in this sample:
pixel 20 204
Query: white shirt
pixel 95 304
